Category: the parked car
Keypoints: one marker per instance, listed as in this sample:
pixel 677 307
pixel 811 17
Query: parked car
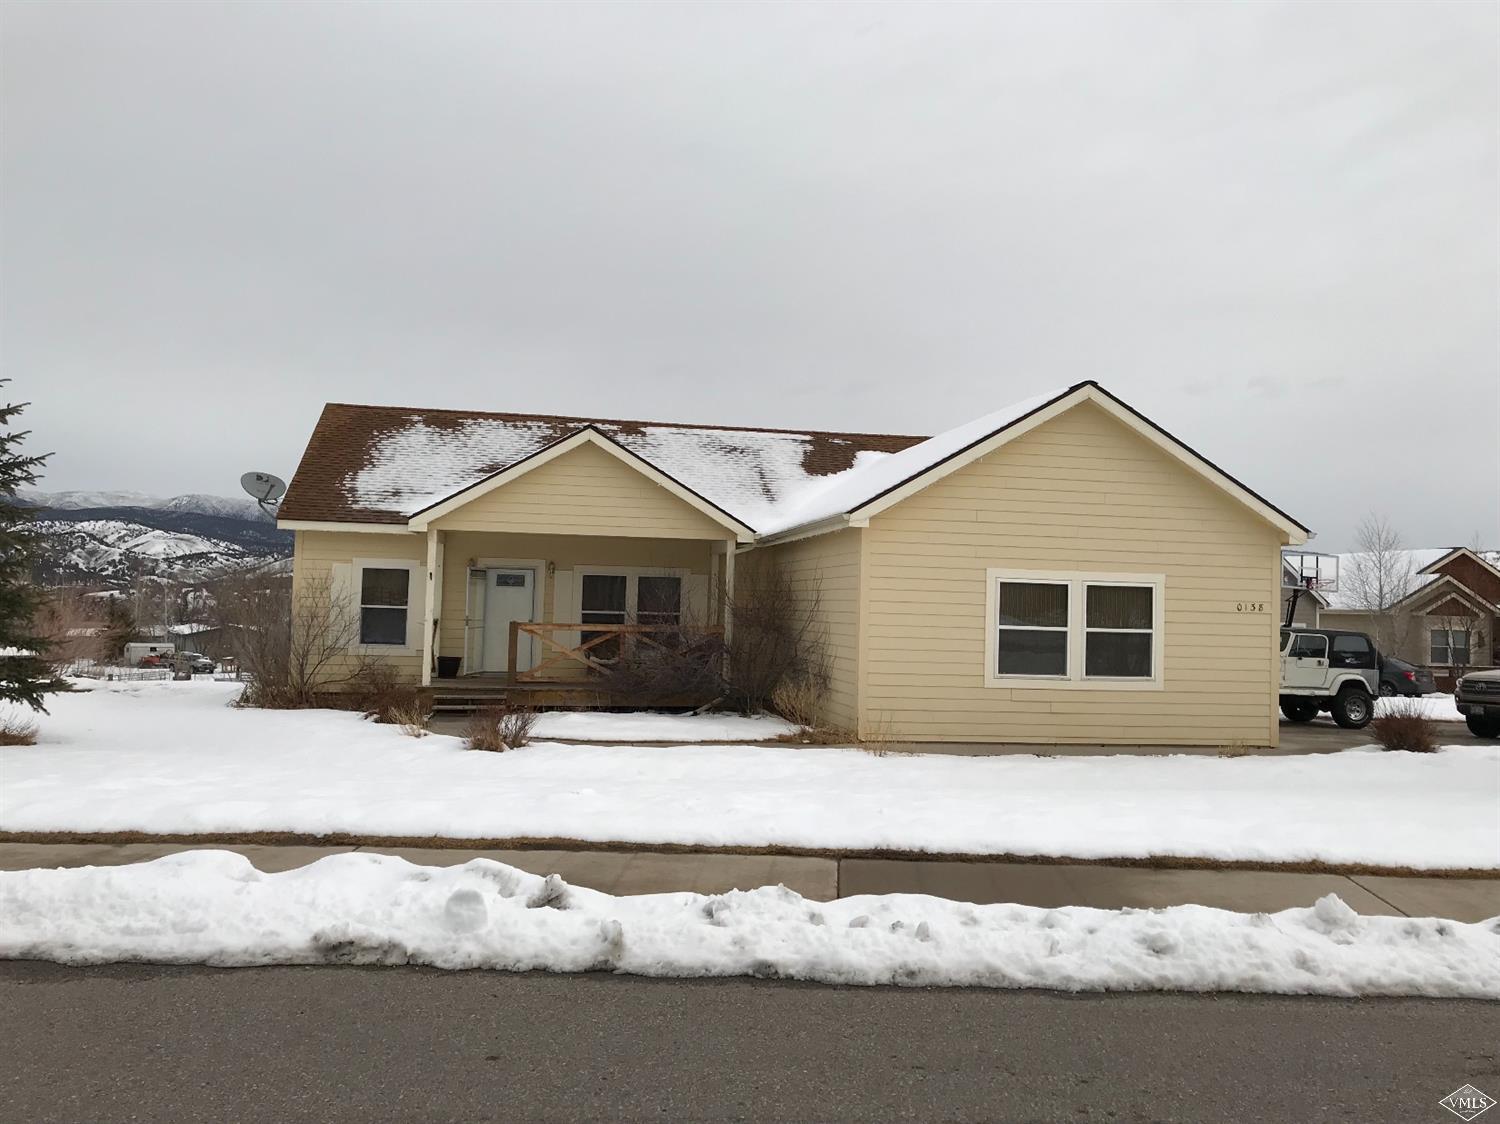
pixel 1330 670
pixel 1477 696
pixel 1397 677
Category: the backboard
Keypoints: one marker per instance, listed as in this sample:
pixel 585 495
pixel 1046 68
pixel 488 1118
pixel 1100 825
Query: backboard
pixel 1313 569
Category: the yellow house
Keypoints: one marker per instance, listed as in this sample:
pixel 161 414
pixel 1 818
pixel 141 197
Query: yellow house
pixel 1063 571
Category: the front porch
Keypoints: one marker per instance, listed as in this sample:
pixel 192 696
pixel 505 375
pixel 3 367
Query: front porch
pixel 538 620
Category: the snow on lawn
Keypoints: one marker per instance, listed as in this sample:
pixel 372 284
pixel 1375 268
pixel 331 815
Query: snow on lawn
pixel 176 758
pixel 214 907
pixel 1440 708
pixel 594 726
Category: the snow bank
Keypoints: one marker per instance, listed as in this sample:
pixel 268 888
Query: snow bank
pixel 176 757
pixel 1439 708
pixel 595 726
pixel 214 907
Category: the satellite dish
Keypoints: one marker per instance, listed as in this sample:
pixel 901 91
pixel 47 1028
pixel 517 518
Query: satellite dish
pixel 263 487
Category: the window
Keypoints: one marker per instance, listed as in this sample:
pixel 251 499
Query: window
pixel 383 595
pixel 627 597
pixel 1352 651
pixel 1074 630
pixel 659 601
pixel 1117 631
pixel 1309 647
pixel 1450 646
pixel 1032 618
pixel 602 601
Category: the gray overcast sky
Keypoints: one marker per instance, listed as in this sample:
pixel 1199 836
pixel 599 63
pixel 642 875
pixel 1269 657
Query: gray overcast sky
pixel 1271 228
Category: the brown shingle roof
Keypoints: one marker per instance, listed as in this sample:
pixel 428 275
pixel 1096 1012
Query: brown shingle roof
pixel 377 464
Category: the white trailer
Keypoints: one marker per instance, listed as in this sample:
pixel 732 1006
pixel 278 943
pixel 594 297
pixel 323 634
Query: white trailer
pixel 136 652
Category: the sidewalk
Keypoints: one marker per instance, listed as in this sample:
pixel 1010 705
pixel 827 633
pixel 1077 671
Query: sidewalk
pixel 1039 884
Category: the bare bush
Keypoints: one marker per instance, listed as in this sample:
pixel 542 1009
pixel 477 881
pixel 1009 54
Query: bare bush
pixel 498 728
pixel 799 700
pixel 292 648
pixel 65 625
pixel 775 640
pixel 411 719
pixel 17 730
pixel 381 694
pixel 1403 728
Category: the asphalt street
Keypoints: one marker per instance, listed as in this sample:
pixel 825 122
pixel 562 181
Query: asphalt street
pixel 150 1043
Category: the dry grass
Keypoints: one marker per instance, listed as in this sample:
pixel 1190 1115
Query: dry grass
pixel 799 700
pixel 1404 729
pixel 411 720
pixel 15 730
pixel 498 728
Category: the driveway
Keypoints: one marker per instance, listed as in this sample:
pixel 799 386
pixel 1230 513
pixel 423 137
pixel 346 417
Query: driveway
pixel 375 1044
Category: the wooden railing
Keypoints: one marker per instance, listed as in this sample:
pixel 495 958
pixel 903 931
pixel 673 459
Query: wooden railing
pixel 559 656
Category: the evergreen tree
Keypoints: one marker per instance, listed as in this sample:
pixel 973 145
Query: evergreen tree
pixel 24 677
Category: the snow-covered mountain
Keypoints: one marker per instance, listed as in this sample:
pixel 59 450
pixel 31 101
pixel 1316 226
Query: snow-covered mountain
pixel 235 507
pixel 115 538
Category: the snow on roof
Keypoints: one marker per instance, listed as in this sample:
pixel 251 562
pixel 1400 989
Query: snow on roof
pixel 845 491
pixel 747 473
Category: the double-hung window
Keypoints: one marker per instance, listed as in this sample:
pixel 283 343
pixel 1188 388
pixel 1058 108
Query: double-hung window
pixel 1450 646
pixel 1071 629
pixel 384 593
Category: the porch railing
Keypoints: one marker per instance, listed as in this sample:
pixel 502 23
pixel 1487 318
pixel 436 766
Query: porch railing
pixel 559 656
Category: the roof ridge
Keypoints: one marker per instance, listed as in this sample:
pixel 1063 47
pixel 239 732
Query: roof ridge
pixel 583 420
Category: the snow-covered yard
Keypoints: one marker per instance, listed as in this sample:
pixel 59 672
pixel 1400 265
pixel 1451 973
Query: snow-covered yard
pixel 213 907
pixel 176 758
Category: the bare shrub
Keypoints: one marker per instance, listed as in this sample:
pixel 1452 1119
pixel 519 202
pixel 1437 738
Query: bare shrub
pixel 17 730
pixel 292 649
pixel 680 665
pixel 65 624
pixel 775 640
pixel 1405 729
pixel 495 729
pixel 381 694
pixel 799 700
pixel 411 719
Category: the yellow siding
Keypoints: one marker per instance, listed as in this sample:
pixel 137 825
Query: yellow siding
pixel 1082 493
pixel 584 492
pixel 826 572
pixel 315 555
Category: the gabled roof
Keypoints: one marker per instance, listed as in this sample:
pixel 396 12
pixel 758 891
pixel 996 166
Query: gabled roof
pixel 588 435
pixel 386 465
pixel 382 464
pixel 865 491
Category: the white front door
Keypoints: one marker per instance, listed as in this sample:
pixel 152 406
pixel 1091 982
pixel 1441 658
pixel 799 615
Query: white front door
pixel 509 595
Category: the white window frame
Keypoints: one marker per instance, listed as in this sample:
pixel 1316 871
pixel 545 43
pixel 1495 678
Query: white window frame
pixel 414 591
pixel 1468 636
pixel 1078 582
pixel 633 576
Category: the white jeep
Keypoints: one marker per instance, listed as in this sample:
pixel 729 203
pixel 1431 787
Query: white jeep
pixel 1324 669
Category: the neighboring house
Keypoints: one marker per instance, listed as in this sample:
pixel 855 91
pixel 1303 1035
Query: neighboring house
pixel 1064 571
pixel 1447 620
